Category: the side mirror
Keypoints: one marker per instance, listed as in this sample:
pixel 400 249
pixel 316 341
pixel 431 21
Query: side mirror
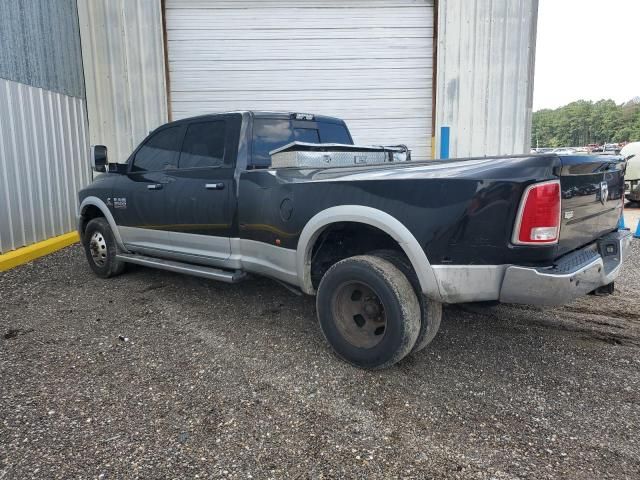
pixel 99 158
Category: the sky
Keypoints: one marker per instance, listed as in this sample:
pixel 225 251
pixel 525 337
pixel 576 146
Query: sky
pixel 586 49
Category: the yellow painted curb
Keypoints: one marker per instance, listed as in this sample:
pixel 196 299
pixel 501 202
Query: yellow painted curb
pixel 30 252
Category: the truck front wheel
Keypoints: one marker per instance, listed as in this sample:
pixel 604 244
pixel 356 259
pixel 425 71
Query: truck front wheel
pixel 368 311
pixel 101 249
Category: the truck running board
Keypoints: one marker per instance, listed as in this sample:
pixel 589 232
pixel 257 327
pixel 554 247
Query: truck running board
pixel 186 268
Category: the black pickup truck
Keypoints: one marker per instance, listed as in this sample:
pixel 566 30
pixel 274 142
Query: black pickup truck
pixel 381 244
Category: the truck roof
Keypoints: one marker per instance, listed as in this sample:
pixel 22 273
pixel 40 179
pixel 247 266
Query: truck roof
pixel 277 115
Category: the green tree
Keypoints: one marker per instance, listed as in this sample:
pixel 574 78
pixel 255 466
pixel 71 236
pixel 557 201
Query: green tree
pixel 583 122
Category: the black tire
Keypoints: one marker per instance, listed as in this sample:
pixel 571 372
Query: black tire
pixel 431 312
pixel 100 248
pixel 368 311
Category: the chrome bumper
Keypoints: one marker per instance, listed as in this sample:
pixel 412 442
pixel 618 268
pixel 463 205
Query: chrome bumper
pixel 574 275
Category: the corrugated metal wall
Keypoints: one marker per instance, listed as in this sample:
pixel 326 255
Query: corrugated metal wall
pixel 43 163
pixel 485 68
pixel 123 55
pixel 40 45
pixel 43 124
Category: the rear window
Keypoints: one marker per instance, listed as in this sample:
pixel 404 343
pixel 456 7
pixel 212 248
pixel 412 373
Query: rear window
pixel 334 133
pixel 308 135
pixel 269 134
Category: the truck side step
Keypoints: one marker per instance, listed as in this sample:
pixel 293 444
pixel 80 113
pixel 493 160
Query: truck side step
pixel 186 268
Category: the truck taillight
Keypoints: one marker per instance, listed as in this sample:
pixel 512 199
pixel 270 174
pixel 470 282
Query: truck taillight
pixel 538 220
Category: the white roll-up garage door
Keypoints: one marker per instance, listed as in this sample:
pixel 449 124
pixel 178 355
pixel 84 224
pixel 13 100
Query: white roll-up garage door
pixel 369 62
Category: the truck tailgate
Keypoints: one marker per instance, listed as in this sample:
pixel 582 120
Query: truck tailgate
pixel 592 195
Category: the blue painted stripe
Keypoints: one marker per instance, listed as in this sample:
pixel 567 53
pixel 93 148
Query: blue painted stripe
pixel 444 143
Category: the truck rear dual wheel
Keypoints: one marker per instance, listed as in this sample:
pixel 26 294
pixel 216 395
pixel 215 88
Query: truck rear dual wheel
pixel 101 249
pixel 431 312
pixel 368 311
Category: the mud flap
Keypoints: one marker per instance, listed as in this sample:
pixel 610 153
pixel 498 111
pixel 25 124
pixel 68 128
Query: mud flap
pixel 604 290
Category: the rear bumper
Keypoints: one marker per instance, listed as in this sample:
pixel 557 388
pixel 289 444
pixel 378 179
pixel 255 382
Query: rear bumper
pixel 573 275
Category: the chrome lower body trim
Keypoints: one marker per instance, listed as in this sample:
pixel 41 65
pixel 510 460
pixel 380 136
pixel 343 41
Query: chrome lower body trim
pixel 469 283
pixel 184 247
pixel 134 238
pixel 247 255
pixel 218 248
pixel 264 259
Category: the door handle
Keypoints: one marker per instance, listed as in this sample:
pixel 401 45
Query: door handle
pixel 155 186
pixel 214 186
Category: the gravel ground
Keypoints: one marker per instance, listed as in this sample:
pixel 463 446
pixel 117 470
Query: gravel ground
pixel 156 375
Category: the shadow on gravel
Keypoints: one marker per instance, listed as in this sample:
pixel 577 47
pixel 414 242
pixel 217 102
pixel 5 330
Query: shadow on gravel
pixel 591 327
pixel 15 332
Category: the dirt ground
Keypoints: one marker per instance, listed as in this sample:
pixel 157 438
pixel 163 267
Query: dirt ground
pixel 157 375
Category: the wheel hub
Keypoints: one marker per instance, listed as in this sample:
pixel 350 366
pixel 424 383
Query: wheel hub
pixel 98 249
pixel 359 314
pixel 372 309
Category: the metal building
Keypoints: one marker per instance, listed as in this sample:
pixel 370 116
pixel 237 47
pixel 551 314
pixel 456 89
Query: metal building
pixel 396 70
pixel 486 52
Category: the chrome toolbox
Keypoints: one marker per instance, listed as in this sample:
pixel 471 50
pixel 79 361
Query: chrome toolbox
pixel 326 155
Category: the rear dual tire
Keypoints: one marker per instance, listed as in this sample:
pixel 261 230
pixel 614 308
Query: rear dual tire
pixel 430 312
pixel 369 311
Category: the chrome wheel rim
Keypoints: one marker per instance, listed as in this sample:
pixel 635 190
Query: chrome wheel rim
pixel 98 249
pixel 359 314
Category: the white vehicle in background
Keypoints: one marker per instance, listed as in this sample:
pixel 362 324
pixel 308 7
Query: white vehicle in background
pixel 564 151
pixel 611 149
pixel 632 175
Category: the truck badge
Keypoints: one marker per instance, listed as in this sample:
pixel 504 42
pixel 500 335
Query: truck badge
pixel 604 192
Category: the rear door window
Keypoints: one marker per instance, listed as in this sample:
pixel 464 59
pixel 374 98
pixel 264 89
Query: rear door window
pixel 204 145
pixel 159 152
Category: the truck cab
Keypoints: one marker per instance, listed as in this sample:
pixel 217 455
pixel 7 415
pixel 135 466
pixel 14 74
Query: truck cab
pixel 177 197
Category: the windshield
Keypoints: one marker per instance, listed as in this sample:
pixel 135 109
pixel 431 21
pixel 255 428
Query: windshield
pixel 269 134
